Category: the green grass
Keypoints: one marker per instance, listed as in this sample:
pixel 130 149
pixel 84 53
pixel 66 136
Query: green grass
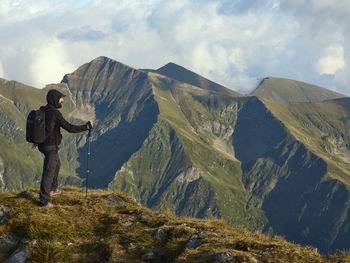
pixel 291 91
pixel 324 128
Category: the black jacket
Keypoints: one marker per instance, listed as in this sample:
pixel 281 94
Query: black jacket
pixel 54 120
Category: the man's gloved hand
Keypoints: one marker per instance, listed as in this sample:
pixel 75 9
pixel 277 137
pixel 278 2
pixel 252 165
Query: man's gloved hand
pixel 89 124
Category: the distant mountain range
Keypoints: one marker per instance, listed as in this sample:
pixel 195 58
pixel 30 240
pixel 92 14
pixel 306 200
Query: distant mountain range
pixel 277 160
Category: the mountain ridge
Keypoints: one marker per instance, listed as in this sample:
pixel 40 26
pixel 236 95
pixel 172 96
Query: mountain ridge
pixel 198 151
pixel 290 91
pixel 182 74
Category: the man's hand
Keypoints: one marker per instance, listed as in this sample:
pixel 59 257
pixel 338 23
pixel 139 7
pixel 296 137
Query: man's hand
pixel 34 145
pixel 89 124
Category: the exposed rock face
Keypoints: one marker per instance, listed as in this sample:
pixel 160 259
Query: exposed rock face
pixel 224 257
pixel 194 242
pixel 190 175
pixel 149 256
pixel 8 243
pixel 4 210
pixel 23 252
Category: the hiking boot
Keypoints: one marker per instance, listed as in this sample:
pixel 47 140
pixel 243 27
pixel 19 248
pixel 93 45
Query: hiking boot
pixel 49 205
pixel 57 192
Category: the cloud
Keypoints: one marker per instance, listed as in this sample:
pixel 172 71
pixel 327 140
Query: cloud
pixel 232 42
pixel 332 61
pixel 81 34
pixel 50 63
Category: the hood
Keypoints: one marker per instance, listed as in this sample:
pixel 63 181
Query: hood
pixel 53 97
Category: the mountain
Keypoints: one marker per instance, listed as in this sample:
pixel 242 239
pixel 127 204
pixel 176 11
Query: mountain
pixel 292 91
pixel 195 149
pixel 112 227
pixel 182 74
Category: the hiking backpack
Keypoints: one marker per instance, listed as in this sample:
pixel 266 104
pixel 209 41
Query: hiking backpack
pixel 35 130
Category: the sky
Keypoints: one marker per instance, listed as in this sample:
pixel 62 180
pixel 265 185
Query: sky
pixel 235 43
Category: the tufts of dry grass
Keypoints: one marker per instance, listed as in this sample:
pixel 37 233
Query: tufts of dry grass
pixel 88 230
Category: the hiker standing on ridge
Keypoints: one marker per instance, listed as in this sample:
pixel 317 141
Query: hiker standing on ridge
pixel 53 122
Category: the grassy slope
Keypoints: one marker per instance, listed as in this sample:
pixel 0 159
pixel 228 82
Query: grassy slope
pixel 275 166
pixel 292 91
pixel 87 230
pixel 174 146
pixel 323 129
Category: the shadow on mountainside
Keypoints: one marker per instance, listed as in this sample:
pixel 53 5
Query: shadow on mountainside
pixel 112 149
pixel 287 181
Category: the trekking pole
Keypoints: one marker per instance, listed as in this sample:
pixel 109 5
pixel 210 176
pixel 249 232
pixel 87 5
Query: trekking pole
pixel 88 168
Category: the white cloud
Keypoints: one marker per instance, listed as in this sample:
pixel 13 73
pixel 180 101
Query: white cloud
pixel 236 57
pixel 50 63
pixel 332 61
pixel 232 42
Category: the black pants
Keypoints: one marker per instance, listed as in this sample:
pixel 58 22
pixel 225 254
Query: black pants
pixel 51 169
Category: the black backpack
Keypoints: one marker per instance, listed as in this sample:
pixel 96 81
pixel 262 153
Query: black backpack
pixel 35 130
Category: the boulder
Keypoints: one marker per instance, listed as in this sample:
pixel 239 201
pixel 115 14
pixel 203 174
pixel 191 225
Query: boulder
pixel 149 256
pixel 21 255
pixel 4 211
pixel 194 242
pixel 23 252
pixel 8 243
pixel 224 257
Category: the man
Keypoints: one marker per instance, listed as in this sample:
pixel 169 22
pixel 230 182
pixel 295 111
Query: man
pixel 53 122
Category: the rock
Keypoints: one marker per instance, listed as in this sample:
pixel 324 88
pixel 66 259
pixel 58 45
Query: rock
pixel 241 245
pixel 224 257
pixel 115 201
pixel 190 175
pixel 127 224
pixel 144 216
pixel 8 243
pixel 22 253
pixel 123 260
pixel 149 256
pixel 159 234
pixel 206 234
pixel 67 243
pixel 28 195
pixel 194 242
pixel 4 211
